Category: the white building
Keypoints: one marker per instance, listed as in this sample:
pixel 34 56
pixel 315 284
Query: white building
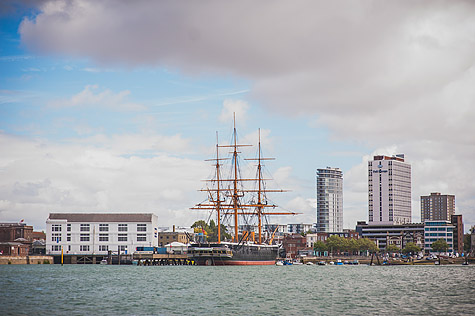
pixel 434 230
pixel 299 228
pixel 389 191
pixel 97 233
pixel 329 200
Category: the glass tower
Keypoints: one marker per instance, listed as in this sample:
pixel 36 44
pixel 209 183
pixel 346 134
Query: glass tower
pixel 329 200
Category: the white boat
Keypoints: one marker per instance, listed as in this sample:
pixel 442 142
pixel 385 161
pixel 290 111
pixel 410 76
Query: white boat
pixel 310 263
pixel 103 261
pixel 331 263
pixel 279 263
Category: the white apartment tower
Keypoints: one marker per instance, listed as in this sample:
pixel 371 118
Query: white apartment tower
pixel 389 190
pixel 329 200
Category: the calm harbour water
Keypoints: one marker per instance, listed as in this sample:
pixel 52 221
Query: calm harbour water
pixel 258 290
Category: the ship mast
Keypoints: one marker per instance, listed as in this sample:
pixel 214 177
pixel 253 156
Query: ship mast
pixel 235 206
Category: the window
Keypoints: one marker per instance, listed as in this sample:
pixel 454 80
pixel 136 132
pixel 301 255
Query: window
pixel 55 248
pixel 85 227
pixel 85 237
pixel 84 248
pixel 56 237
pixel 122 248
pixel 122 227
pixel 56 228
pixel 141 237
pixel 122 237
pixel 68 227
pixel 103 237
pixel 103 227
pixel 68 237
pixel 141 227
pixel 103 248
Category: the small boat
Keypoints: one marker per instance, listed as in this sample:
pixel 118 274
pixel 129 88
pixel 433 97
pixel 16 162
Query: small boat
pixel 339 263
pixel 310 263
pixel 436 263
pixel 287 263
pixel 279 263
pixel 331 263
pixel 322 263
pixel 465 263
pixel 103 261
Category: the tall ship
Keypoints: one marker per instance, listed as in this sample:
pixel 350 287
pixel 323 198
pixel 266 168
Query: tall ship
pixel 238 200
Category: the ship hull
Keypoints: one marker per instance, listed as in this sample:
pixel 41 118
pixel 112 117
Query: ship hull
pixel 242 255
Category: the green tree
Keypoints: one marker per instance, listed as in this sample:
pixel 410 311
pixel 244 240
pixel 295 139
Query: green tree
pixel 411 248
pixel 334 243
pixel 440 245
pixel 392 248
pixel 353 246
pixel 366 244
pixel 319 246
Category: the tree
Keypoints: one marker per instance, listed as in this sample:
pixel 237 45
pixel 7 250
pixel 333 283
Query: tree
pixel 411 248
pixel 440 245
pixel 319 246
pixel 334 243
pixel 392 248
pixel 353 246
pixel 366 244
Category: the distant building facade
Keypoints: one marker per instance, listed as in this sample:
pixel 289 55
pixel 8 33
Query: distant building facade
pixel 97 233
pixel 398 235
pixel 293 244
pixel 299 228
pixel 165 238
pixel 437 207
pixel 329 200
pixel 457 222
pixel 313 238
pixel 15 239
pixel 389 190
pixel 435 230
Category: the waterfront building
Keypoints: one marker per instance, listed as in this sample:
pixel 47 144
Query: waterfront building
pixel 347 233
pixel 329 200
pixel 435 230
pixel 165 238
pixel 437 207
pixel 299 228
pixel 389 190
pixel 457 222
pixel 398 235
pixel 293 244
pixel 99 233
pixel 15 239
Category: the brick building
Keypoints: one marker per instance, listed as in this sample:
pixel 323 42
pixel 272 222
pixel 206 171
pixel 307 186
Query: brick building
pixel 293 243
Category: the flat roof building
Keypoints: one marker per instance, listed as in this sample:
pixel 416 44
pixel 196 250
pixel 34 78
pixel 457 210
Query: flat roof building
pixel 437 207
pixel 389 191
pixel 97 233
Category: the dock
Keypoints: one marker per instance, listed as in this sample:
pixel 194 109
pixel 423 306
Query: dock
pixel 155 259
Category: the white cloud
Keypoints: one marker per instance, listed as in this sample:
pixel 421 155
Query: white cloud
pixel 234 108
pixel 39 177
pixel 104 98
pixel 378 72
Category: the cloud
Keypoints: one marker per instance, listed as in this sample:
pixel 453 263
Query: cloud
pixel 105 98
pixel 39 177
pixel 378 73
pixel 234 108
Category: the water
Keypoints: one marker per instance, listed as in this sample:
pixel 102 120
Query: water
pixel 241 290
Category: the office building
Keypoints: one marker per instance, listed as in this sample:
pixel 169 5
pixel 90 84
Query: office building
pixel 398 235
pixel 435 230
pixel 437 207
pixel 389 190
pixel 99 233
pixel 329 200
pixel 457 222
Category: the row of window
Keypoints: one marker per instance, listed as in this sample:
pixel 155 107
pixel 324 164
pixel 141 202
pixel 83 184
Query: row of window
pixel 102 227
pixel 87 248
pixel 102 237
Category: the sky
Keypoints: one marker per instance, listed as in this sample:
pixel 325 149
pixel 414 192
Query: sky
pixel 113 106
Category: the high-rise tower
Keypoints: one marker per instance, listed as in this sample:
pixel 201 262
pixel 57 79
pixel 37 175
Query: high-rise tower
pixel 437 207
pixel 329 200
pixel 389 190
